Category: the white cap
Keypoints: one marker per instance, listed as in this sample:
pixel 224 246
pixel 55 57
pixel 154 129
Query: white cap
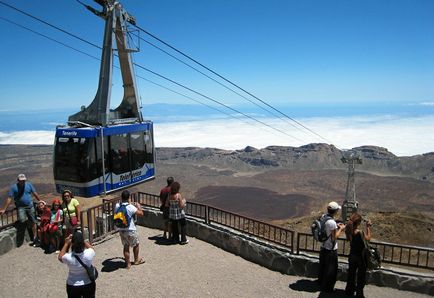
pixel 22 177
pixel 333 206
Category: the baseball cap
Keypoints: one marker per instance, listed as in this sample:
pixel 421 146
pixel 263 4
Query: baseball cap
pixel 22 177
pixel 333 206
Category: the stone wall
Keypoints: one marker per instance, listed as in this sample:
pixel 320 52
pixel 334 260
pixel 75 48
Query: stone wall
pixel 282 260
pixel 265 254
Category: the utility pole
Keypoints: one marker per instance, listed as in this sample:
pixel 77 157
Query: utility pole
pixel 350 204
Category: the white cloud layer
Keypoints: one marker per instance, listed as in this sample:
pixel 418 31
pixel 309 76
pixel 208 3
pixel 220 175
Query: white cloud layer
pixel 401 136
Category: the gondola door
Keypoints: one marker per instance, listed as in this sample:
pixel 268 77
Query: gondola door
pixel 120 160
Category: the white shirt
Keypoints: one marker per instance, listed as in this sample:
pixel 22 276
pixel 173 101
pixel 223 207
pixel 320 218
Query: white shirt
pixel 77 275
pixel 131 210
pixel 330 226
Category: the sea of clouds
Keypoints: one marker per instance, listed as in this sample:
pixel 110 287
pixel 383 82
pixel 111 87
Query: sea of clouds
pixel 403 136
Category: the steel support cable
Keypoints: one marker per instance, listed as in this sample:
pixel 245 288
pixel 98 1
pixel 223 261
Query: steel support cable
pixel 215 101
pixel 230 82
pixel 214 80
pixel 192 67
pixel 168 45
pixel 50 25
pixel 98 59
pixel 52 39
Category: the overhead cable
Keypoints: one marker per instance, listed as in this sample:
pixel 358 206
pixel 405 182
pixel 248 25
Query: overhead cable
pixel 161 76
pixel 230 82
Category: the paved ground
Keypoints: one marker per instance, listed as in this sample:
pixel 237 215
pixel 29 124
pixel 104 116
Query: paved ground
pixel 194 270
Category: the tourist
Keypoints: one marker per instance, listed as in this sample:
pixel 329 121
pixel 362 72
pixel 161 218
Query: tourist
pixel 78 283
pixel 21 193
pixel 176 205
pixel 71 212
pixel 356 264
pixel 164 194
pixel 55 227
pixel 128 234
pixel 43 216
pixel 328 257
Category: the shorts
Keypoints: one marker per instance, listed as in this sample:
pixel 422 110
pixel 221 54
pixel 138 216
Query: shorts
pixel 129 238
pixel 26 213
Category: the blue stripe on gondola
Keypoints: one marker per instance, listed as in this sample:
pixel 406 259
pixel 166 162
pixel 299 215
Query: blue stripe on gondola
pixel 90 132
pixel 94 190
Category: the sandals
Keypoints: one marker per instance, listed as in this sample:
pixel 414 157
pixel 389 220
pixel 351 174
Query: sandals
pixel 141 261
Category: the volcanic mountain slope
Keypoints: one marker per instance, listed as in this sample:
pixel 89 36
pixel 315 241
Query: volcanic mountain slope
pixel 284 185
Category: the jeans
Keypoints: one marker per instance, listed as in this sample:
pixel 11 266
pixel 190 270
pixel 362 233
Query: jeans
pixel 175 230
pixel 86 291
pixel 356 269
pixel 25 213
pixel 328 269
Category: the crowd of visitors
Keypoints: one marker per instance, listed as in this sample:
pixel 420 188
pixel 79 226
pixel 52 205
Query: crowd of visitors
pixel 57 229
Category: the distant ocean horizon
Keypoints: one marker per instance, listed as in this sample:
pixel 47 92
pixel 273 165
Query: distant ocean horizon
pixel 404 129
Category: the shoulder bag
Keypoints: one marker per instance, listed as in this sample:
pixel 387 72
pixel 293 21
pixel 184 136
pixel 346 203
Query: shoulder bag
pixel 370 255
pixel 91 270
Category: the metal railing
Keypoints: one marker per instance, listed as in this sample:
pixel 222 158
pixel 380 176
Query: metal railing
pixel 98 222
pixel 212 215
pixel 8 219
pixel 391 253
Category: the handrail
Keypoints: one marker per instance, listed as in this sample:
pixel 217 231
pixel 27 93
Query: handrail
pixel 391 253
pixel 98 220
pixel 238 222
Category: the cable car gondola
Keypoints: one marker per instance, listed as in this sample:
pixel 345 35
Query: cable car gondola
pixel 103 150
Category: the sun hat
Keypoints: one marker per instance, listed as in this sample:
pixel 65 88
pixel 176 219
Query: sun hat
pixel 333 206
pixel 22 177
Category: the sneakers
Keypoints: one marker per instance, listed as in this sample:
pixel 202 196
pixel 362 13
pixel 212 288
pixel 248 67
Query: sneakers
pixel 184 242
pixel 36 243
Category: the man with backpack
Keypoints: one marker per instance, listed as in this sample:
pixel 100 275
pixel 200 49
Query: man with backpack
pixel 21 193
pixel 328 257
pixel 123 219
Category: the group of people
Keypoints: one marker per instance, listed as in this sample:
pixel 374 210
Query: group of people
pixel 57 227
pixel 328 259
pixel 172 206
pixel 49 226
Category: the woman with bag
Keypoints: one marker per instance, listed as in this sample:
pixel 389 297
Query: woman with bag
pixel 71 212
pixel 176 204
pixel 356 263
pixel 78 283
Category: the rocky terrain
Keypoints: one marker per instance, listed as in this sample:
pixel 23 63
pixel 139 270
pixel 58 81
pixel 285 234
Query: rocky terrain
pixel 284 185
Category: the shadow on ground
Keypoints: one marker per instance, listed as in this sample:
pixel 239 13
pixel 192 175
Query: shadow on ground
pixel 113 264
pixel 160 240
pixel 311 286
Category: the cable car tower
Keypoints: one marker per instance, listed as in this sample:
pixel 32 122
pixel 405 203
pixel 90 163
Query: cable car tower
pixel 102 150
pixel 350 204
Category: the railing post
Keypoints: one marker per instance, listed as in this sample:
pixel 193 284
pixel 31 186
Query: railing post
pixel 90 224
pixel 207 215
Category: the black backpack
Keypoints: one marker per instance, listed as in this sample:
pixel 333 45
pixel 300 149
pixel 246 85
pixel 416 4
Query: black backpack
pixel 318 228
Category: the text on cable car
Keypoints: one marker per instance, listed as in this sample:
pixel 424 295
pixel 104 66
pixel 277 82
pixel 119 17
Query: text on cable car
pixel 130 175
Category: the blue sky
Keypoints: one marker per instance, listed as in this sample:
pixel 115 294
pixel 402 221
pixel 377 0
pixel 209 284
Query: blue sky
pixel 318 55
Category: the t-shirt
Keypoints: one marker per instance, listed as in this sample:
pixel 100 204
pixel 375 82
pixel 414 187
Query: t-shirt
pixel 26 199
pixel 54 215
pixel 77 275
pixel 330 226
pixel 71 207
pixel 131 210
pixel 164 194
